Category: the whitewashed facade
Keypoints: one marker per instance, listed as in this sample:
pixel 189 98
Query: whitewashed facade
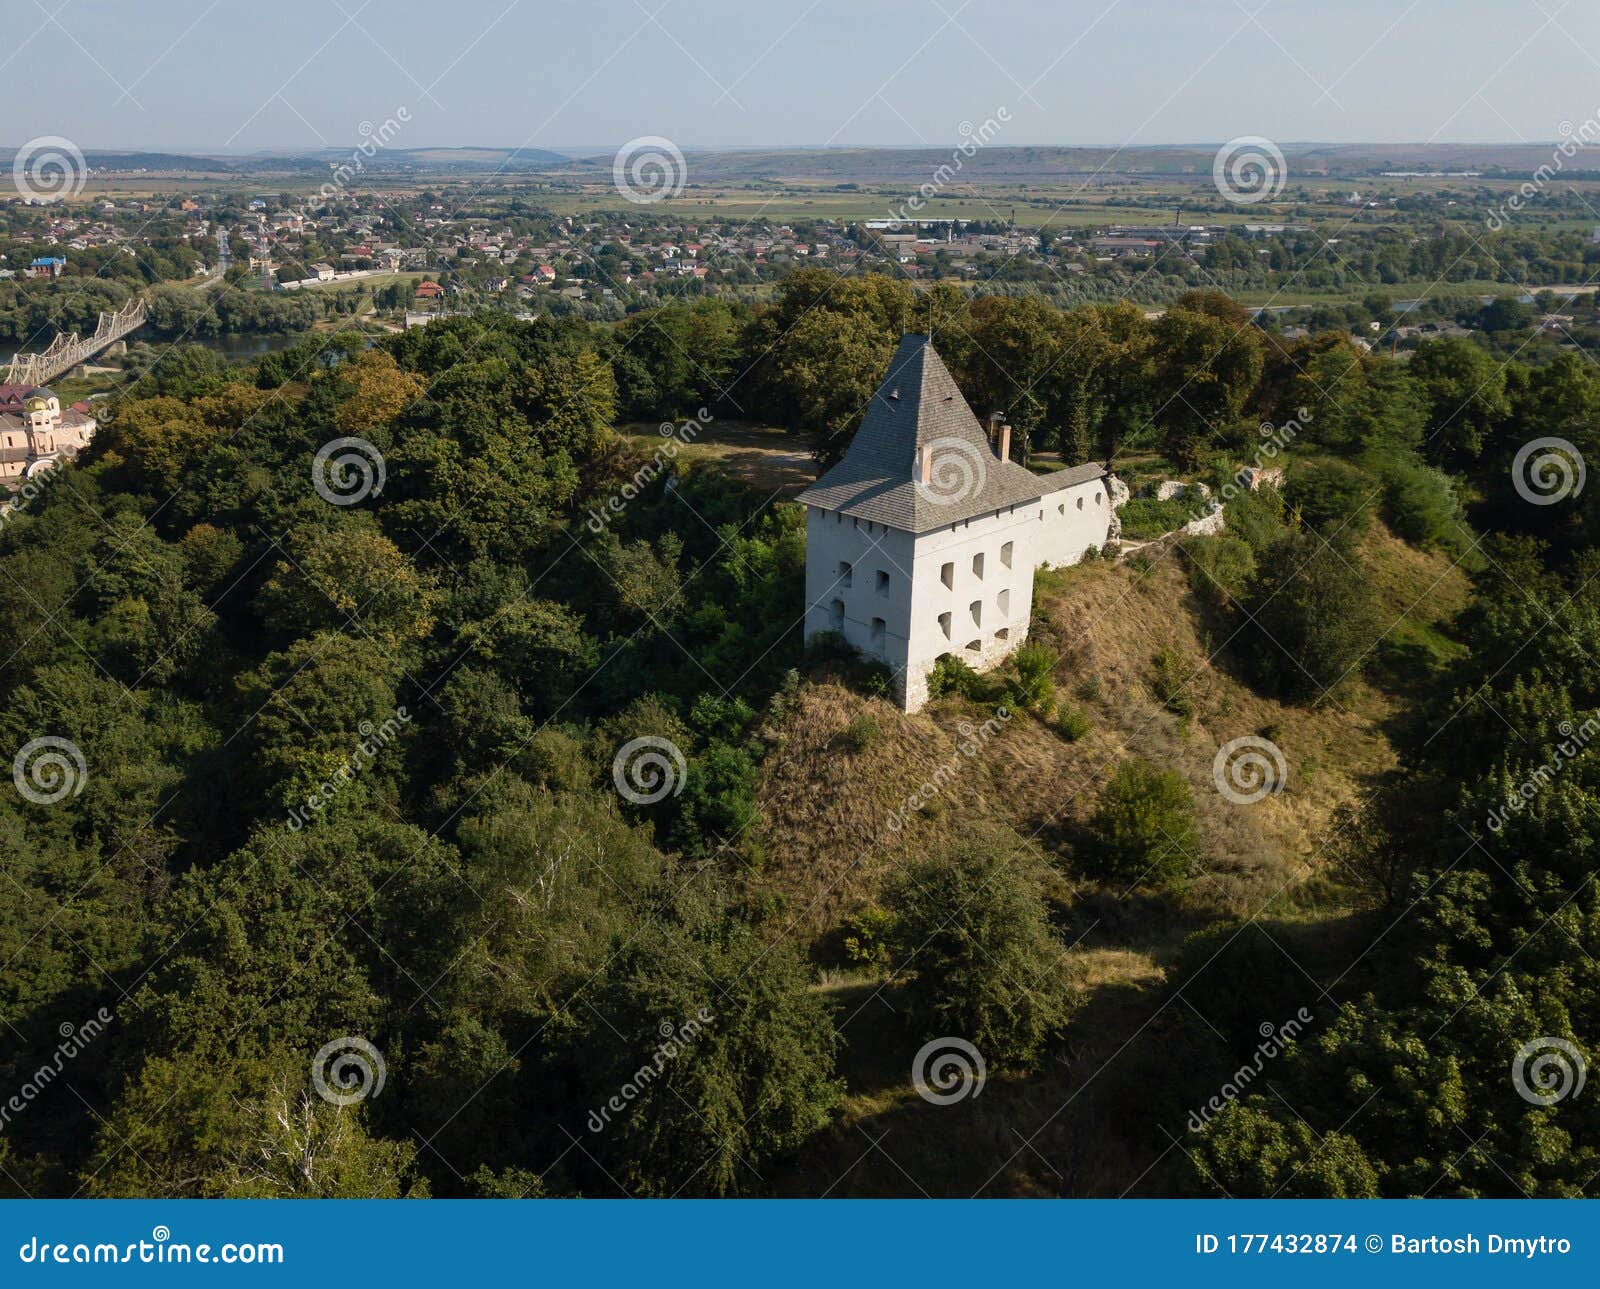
pixel 924 538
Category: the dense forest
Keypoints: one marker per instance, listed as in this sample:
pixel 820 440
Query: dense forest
pixel 319 779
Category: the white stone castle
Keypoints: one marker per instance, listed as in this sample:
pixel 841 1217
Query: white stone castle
pixel 923 539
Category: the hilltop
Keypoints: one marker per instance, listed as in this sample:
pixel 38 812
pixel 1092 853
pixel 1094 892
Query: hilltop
pixel 843 764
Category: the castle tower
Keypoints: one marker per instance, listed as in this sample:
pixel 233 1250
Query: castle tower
pixel 924 538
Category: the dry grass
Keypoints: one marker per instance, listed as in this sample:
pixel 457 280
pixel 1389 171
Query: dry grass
pixel 1085 1124
pixel 770 460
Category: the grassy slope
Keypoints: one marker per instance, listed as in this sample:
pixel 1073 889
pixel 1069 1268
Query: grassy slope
pixel 829 852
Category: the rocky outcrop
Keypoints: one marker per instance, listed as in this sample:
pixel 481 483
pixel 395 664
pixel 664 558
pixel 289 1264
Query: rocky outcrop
pixel 1118 492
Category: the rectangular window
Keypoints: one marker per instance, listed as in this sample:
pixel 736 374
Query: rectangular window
pixel 883 583
pixel 880 630
pixel 846 573
pixel 947 575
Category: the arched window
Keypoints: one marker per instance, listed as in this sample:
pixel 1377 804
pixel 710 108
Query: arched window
pixel 836 615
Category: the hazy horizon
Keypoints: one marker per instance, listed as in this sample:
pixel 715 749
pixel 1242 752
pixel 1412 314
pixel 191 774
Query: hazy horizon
pixel 581 151
pixel 230 78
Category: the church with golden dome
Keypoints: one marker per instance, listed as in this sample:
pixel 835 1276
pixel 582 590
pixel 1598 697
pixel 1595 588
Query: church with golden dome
pixel 36 432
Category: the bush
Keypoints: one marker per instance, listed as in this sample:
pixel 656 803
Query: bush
pixel 1421 505
pixel 1170 683
pixel 1145 517
pixel 951 675
pixel 1032 687
pixel 861 733
pixel 1072 723
pixel 1220 568
pixel 866 937
pixel 1332 495
pixel 1310 617
pixel 1256 518
pixel 1144 828
pixel 746 1075
pixel 865 675
pixel 973 930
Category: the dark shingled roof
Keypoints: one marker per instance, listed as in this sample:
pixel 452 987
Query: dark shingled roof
pixel 919 405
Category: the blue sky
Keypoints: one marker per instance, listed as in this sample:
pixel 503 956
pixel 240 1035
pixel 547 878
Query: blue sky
pixel 237 77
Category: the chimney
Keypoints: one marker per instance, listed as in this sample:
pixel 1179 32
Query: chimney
pixel 993 429
pixel 1005 443
pixel 925 465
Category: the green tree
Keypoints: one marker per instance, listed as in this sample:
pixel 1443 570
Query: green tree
pixel 709 1056
pixel 1310 619
pixel 972 941
pixel 1143 831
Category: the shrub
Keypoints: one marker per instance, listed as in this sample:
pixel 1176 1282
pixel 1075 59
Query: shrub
pixel 1256 518
pixel 1332 495
pixel 1309 617
pixel 951 675
pixel 1144 828
pixel 1031 684
pixel 866 937
pixel 1170 683
pixel 1421 505
pixel 861 733
pixel 1073 723
pixel 1144 517
pixel 829 646
pixel 972 928
pixel 746 1076
pixel 1220 568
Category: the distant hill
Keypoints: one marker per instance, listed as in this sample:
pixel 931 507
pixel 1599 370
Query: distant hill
pixel 997 164
pixel 993 164
pixel 318 161
pixel 141 161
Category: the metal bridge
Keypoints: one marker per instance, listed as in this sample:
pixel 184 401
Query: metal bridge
pixel 66 352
